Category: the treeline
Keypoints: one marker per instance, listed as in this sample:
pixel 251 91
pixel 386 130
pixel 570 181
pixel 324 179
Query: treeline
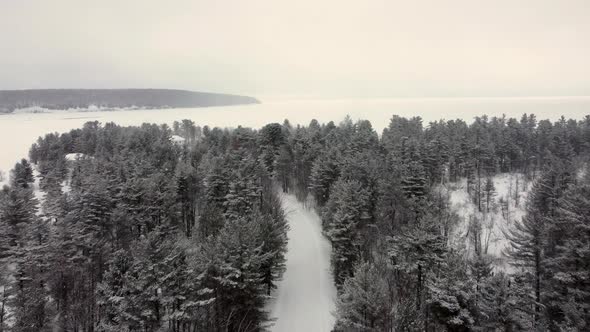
pixel 61 99
pixel 140 233
pixel 389 222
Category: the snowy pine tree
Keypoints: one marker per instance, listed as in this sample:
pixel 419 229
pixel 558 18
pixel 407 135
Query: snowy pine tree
pixel 344 216
pixel 568 265
pixel 363 303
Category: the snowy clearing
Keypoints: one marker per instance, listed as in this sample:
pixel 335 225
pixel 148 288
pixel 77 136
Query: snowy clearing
pixel 304 300
pixel 508 206
pixel 74 156
pixel 177 139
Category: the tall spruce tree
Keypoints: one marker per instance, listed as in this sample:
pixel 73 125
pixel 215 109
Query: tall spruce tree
pixel 568 266
pixel 344 215
pixel 363 304
pixel 531 239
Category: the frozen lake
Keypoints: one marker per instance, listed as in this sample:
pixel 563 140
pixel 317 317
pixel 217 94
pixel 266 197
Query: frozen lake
pixel 19 131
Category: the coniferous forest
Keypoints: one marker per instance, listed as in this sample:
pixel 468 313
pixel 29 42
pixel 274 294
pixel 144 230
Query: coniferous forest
pixel 158 228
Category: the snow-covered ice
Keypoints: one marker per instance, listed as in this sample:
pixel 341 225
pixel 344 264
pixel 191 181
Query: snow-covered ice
pixel 305 298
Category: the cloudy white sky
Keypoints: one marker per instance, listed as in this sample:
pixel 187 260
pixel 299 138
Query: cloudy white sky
pixel 322 48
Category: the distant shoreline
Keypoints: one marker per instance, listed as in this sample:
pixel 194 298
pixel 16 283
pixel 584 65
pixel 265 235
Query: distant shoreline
pixel 89 100
pixel 36 110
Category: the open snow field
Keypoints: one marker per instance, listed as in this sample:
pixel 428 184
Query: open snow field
pixel 304 300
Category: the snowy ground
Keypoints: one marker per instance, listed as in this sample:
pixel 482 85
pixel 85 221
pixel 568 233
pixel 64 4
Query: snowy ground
pixel 39 194
pixel 508 205
pixel 305 297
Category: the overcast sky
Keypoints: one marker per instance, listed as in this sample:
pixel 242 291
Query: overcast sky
pixel 319 48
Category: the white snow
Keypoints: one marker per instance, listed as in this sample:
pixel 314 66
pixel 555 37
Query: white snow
pixel 177 139
pixel 305 299
pixel 71 157
pixel 39 194
pixel 74 156
pixel 90 108
pixel 32 109
pixel 512 189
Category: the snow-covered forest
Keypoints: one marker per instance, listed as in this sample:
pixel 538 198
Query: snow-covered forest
pixel 445 226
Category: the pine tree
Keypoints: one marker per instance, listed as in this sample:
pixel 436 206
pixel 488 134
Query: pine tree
pixel 283 167
pixel 303 154
pixel 145 307
pixel 188 187
pixel 272 138
pixel 501 304
pixel 480 268
pixel 530 238
pixel 391 207
pixel 363 304
pixel 414 181
pixel 217 182
pixel 210 221
pixel 237 277
pixel 416 251
pixel 114 293
pixel 174 281
pixel 413 184
pixel 22 174
pixel 434 159
pixel 399 130
pixel 344 215
pixel 324 173
pixel 450 297
pixel 18 208
pixel 569 266
pixel 527 243
pixel 489 191
pixel 6 254
pixel 273 234
pixel 31 265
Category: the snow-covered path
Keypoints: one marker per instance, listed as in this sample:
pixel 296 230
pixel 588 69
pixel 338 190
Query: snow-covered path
pixel 305 297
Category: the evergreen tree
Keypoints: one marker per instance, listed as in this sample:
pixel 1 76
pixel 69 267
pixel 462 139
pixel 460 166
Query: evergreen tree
pixel 22 174
pixel 272 138
pixel 273 233
pixel 18 208
pixel 451 297
pixel 363 304
pixel 500 305
pixel 489 191
pixel 416 251
pixel 236 273
pixel 344 215
pixel 283 167
pixel 324 173
pixel 530 238
pixel 569 265
pixel 188 187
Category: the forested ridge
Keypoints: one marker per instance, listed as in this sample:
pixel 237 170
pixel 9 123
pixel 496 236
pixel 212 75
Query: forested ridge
pixel 145 231
pixel 63 99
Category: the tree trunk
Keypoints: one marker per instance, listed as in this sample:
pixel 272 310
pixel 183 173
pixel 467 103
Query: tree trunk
pixel 537 285
pixel 419 288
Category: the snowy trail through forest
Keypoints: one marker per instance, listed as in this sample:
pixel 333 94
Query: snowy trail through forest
pixel 305 297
